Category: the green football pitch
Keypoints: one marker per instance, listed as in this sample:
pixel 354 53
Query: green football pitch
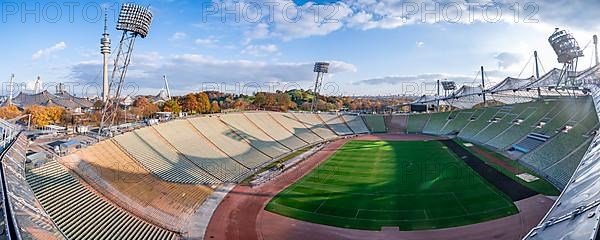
pixel 412 185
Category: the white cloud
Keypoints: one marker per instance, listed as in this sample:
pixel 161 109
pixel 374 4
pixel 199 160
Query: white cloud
pixel 508 59
pixel 49 51
pixel 289 21
pixel 178 36
pixel 420 44
pixel 389 14
pixel 193 72
pixel 260 50
pixel 210 41
pixel 415 79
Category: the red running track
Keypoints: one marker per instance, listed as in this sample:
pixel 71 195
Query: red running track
pixel 241 214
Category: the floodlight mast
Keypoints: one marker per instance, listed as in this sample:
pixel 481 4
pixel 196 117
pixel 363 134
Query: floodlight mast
pixel 134 21
pixel 320 68
pixel 568 52
pixel 448 86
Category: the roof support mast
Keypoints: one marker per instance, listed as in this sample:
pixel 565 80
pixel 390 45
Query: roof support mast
pixel 167 86
pixel 537 71
pixel 596 48
pixel 483 87
pixel 438 95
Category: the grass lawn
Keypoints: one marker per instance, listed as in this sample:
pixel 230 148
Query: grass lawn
pixel 541 186
pixel 409 184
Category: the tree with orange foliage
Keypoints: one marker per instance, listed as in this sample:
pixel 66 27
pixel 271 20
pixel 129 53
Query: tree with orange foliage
pixel 143 107
pixel 203 103
pixel 190 103
pixel 9 112
pixel 42 116
pixel 214 107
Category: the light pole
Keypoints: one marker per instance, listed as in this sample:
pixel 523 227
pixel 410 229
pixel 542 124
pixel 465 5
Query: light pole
pixel 320 68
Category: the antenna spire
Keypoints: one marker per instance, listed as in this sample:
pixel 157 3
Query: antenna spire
pixel 105 22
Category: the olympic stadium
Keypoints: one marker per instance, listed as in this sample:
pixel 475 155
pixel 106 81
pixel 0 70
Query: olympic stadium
pixel 513 160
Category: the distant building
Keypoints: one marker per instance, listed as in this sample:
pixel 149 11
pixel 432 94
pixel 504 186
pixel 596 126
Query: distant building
pixel 160 98
pixel 45 98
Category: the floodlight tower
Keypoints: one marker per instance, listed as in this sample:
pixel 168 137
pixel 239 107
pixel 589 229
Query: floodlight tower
pixel 448 86
pixel 320 68
pixel 105 51
pixel 134 21
pixel 568 52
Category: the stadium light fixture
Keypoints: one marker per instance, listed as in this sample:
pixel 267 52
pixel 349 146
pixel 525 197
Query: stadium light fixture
pixel 134 20
pixel 320 68
pixel 567 51
pixel 448 85
pixel 565 46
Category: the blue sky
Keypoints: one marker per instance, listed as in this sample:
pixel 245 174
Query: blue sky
pixel 377 47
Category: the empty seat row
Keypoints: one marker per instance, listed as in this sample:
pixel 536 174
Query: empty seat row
pixel 81 214
pixel 336 123
pixel 156 155
pixel 190 142
pixel 356 123
pixel 121 179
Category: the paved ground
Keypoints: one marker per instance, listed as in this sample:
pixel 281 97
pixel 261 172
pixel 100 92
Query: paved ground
pixel 496 161
pixel 241 216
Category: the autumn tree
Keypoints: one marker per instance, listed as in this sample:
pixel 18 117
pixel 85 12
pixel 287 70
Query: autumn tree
pixel 143 107
pixel 9 112
pixel 259 99
pixel 270 100
pixel 203 103
pixel 190 103
pixel 172 106
pixel 283 101
pixel 240 104
pixel 98 104
pixel 214 107
pixel 42 116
